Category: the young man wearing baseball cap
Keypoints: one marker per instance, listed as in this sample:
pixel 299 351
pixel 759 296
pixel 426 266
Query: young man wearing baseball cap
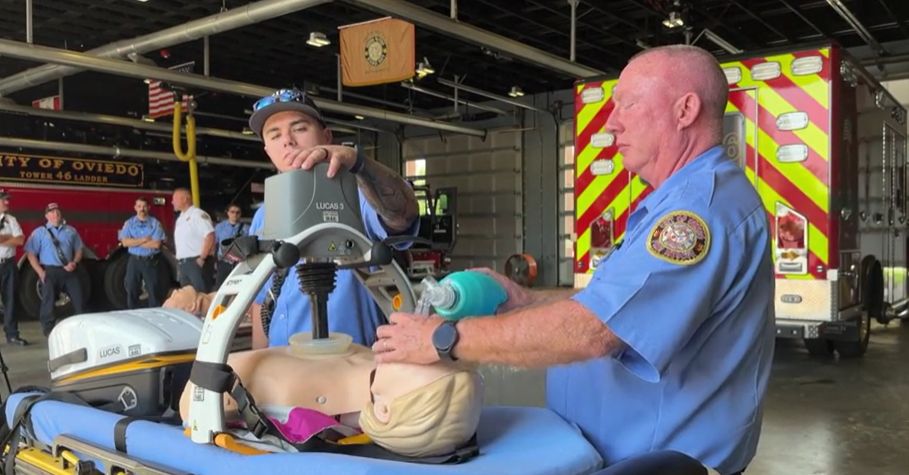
pixel 295 136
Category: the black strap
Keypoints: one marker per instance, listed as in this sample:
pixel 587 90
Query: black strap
pixel 239 230
pixel 75 356
pixel 60 254
pixel 256 421
pixel 271 298
pixel 120 432
pixel 217 377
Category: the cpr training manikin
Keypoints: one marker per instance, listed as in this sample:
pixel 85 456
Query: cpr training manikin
pixel 411 410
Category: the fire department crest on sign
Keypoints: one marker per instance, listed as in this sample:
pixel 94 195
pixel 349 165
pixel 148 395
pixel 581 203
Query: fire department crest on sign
pixel 680 237
pixel 376 50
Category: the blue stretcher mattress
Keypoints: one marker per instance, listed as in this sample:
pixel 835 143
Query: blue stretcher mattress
pixel 513 440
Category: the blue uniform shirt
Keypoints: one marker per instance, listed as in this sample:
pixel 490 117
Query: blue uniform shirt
pixel 351 309
pixel 225 230
pixel 698 336
pixel 135 228
pixel 40 244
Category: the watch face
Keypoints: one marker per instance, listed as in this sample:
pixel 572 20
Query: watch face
pixel 445 337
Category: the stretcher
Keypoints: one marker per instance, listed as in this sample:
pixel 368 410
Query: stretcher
pixel 512 440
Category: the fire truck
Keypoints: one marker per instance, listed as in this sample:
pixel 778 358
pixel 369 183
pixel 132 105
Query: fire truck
pixel 96 197
pixel 825 147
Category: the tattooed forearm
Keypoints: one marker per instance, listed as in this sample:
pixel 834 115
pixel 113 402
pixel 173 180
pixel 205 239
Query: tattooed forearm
pixel 389 194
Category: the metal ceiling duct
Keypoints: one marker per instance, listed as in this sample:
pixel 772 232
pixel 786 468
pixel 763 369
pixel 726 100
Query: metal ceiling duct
pixel 125 152
pixel 210 25
pixel 122 121
pixel 124 68
pixel 471 34
pixel 859 28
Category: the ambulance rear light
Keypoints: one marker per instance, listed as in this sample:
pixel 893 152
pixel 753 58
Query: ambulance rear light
pixel 807 65
pixel 592 94
pixel 792 153
pixel 733 74
pixel 765 71
pixel 158 201
pixel 602 139
pixel 792 121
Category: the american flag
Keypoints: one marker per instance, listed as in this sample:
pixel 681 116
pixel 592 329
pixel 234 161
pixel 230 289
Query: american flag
pixel 161 99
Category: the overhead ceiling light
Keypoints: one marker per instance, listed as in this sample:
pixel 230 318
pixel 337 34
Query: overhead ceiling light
pixel 424 68
pixel 674 20
pixel 318 39
pixel 359 117
pixel 516 91
pixel 247 131
pixel 148 118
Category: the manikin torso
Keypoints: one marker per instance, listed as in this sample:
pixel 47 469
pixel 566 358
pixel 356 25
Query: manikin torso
pixel 334 385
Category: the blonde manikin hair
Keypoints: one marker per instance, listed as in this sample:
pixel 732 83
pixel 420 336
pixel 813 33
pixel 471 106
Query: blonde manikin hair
pixel 433 420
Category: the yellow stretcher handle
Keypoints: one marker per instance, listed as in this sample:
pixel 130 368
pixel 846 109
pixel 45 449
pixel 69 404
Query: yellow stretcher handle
pixel 190 154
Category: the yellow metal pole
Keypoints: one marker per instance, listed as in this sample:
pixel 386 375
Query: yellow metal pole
pixel 190 154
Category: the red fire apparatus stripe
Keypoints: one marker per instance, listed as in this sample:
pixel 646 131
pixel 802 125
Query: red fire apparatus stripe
pixel 792 193
pixel 583 141
pixel 793 94
pixel 814 163
pixel 607 196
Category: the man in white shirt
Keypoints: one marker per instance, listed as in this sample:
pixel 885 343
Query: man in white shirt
pixel 11 237
pixel 194 239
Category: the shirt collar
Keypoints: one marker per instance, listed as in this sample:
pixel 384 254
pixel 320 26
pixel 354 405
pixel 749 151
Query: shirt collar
pixel 706 160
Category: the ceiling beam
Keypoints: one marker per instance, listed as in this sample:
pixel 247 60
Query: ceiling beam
pixel 140 71
pixel 761 21
pixel 210 25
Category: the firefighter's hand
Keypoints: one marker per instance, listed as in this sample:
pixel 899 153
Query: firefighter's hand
pixel 70 266
pixel 517 296
pixel 408 339
pixel 41 275
pixel 338 156
pixel 200 261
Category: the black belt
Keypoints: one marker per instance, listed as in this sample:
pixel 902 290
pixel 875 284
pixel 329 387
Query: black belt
pixel 144 258
pixel 187 259
pixel 4 260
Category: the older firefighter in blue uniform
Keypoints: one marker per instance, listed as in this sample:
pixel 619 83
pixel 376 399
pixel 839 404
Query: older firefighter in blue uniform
pixel 54 252
pixel 669 347
pixel 142 236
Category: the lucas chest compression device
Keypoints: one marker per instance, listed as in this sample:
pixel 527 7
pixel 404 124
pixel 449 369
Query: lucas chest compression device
pixel 312 227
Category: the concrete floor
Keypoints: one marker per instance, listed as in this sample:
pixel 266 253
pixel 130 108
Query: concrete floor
pixel 823 416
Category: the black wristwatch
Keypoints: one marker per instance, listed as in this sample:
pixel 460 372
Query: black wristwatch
pixel 444 338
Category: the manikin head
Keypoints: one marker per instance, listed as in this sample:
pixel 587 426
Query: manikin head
pixel 423 410
pixel 669 104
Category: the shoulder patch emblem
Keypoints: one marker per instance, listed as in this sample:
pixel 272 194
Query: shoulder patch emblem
pixel 680 237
